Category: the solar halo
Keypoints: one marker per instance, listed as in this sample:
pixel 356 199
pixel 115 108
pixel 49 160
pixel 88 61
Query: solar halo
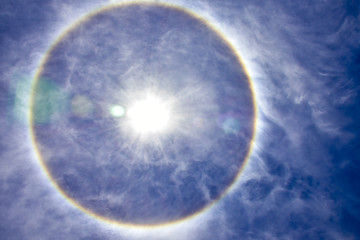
pixel 53 105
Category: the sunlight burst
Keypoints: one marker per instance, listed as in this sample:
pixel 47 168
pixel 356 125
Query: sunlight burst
pixel 149 115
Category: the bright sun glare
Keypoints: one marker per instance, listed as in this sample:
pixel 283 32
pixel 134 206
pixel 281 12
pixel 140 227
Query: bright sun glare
pixel 149 115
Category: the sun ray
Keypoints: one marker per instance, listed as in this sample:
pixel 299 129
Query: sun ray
pixel 149 115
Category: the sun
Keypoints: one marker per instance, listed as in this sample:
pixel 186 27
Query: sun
pixel 149 115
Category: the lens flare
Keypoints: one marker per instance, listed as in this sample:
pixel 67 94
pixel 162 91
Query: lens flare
pixel 117 111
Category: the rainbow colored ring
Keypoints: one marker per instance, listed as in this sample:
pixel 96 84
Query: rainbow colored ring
pixel 34 141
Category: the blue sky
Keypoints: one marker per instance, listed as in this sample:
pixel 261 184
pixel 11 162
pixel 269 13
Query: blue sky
pixel 301 180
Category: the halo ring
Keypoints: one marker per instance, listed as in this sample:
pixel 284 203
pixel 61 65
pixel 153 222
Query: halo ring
pixel 38 153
